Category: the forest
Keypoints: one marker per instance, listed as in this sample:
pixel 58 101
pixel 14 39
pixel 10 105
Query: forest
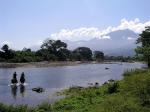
pixel 51 50
pixel 55 50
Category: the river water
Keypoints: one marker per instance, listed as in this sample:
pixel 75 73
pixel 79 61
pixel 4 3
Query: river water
pixel 53 79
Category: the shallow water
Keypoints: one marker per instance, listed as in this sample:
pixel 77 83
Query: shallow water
pixel 53 79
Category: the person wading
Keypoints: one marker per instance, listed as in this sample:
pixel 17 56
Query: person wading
pixel 22 78
pixel 14 79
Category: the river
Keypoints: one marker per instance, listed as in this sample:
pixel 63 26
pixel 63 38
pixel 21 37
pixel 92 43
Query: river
pixel 56 78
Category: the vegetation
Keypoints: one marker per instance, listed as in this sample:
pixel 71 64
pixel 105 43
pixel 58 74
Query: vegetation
pixel 51 50
pixel 98 55
pixel 132 94
pixel 82 53
pixel 122 58
pixel 144 49
pixel 45 107
pixel 55 50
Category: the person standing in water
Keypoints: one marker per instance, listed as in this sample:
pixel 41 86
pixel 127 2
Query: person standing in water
pixel 14 79
pixel 22 78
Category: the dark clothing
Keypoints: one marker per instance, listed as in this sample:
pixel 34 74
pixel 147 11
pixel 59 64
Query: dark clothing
pixel 14 80
pixel 22 78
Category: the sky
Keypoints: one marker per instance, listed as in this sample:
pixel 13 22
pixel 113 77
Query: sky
pixel 26 23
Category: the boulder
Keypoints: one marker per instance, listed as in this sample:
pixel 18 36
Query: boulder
pixel 38 89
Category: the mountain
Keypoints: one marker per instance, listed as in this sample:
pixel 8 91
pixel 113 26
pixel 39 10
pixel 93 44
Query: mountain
pixel 121 42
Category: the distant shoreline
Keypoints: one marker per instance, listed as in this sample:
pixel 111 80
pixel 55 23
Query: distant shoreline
pixel 48 64
pixel 42 64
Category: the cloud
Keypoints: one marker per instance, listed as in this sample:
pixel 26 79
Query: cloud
pixel 134 25
pixel 89 33
pixel 130 38
pixel 78 34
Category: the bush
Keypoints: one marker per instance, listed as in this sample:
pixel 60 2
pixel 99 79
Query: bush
pixel 113 87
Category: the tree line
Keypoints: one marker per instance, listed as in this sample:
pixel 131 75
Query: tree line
pixel 51 50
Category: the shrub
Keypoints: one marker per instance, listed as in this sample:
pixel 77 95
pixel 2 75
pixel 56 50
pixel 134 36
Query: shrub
pixel 113 87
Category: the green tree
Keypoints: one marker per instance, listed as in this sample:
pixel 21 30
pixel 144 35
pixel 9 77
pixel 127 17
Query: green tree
pixel 26 49
pixel 98 55
pixel 83 53
pixel 5 48
pixel 63 54
pixel 144 48
pixel 45 55
pixel 56 48
pixel 53 45
pixel 7 53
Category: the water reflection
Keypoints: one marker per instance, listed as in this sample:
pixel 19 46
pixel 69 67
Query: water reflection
pixel 22 90
pixel 14 90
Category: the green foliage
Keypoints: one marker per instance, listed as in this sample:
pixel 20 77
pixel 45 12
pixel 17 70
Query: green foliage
pixel 120 58
pixel 113 87
pixel 98 55
pixel 144 48
pixel 5 48
pixel 53 45
pixel 11 108
pixel 6 53
pixel 83 53
pixel 51 50
pixel 131 94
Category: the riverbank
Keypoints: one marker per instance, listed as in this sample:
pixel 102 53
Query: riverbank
pixel 47 64
pixel 131 94
pixel 38 64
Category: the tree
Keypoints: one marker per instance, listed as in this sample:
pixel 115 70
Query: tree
pixel 83 53
pixel 144 48
pixel 53 45
pixel 56 48
pixel 98 55
pixel 7 53
pixel 5 48
pixel 45 55
pixel 26 50
pixel 63 54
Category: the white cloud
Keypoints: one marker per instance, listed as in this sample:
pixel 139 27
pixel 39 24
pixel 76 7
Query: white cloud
pixel 130 38
pixel 85 33
pixel 134 25
pixel 78 34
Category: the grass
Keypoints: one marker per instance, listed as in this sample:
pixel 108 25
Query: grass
pixel 44 107
pixel 132 94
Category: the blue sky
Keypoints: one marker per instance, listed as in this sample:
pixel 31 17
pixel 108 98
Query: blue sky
pixel 27 22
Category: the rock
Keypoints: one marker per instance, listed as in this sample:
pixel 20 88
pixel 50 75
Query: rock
pixel 106 68
pixel 96 83
pixel 91 84
pixel 38 89
pixel 111 80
